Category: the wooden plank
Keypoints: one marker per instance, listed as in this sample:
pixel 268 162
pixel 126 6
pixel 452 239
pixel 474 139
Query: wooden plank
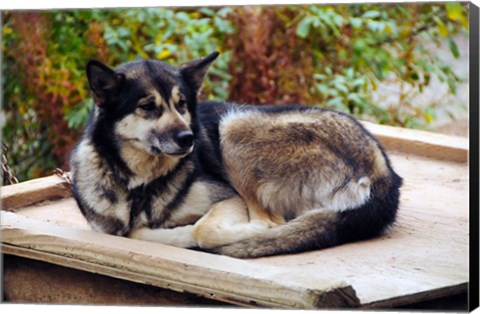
pixel 421 143
pixel 435 294
pixel 63 212
pixel 212 276
pixel 29 281
pixel 34 191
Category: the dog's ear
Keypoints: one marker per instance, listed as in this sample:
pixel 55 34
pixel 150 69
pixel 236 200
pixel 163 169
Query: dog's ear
pixel 103 81
pixel 194 72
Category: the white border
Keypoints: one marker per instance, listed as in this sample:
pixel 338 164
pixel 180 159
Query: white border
pixel 85 4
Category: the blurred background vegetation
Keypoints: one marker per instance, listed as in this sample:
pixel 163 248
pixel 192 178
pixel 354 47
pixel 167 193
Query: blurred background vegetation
pixel 333 56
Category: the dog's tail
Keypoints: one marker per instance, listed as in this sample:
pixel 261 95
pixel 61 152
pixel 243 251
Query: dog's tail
pixel 307 232
pixel 319 229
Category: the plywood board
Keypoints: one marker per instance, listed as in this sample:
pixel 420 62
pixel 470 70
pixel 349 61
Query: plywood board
pixel 424 256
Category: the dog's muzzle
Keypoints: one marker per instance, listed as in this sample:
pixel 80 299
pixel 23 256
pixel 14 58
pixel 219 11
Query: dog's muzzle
pixel 184 139
pixel 177 143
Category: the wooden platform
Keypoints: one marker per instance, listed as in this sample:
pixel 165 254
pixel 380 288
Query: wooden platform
pixel 425 256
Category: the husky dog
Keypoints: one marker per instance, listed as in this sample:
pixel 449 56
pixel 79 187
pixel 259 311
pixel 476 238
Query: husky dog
pixel 244 181
pixel 139 164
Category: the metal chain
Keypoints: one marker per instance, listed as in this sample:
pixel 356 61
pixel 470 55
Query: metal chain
pixel 8 177
pixel 64 175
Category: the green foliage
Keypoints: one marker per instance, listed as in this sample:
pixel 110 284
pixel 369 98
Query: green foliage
pixel 171 36
pixel 42 79
pixel 364 45
pixel 333 56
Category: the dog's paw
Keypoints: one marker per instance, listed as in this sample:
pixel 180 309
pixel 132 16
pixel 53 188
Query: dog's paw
pixel 179 237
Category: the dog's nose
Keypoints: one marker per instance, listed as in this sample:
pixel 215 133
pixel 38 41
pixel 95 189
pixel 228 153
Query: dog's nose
pixel 184 139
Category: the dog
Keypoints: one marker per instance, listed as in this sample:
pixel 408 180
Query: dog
pixel 240 180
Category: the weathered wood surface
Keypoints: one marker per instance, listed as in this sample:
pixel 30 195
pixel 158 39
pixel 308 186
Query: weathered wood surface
pixel 425 256
pixel 29 281
pixel 421 143
pixel 216 277
pixel 34 191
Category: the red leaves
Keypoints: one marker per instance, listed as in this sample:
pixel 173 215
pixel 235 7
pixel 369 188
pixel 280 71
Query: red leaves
pixel 274 66
pixel 39 80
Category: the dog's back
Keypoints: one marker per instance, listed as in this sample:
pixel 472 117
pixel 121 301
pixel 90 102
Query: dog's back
pixel 317 170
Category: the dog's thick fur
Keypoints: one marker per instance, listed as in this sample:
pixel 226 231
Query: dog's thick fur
pixel 244 181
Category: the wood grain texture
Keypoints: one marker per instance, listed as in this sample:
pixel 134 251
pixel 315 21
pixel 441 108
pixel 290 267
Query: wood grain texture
pixel 216 277
pixel 34 191
pixel 29 281
pixel 421 143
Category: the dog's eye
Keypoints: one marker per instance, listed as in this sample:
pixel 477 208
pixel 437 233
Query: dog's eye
pixel 148 107
pixel 182 106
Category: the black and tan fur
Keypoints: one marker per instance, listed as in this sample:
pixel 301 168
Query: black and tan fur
pixel 250 181
pixel 137 164
pixel 316 177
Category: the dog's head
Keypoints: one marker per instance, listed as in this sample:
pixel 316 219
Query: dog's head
pixel 151 104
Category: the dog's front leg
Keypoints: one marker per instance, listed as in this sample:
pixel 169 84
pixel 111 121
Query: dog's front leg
pixel 226 222
pixel 179 236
